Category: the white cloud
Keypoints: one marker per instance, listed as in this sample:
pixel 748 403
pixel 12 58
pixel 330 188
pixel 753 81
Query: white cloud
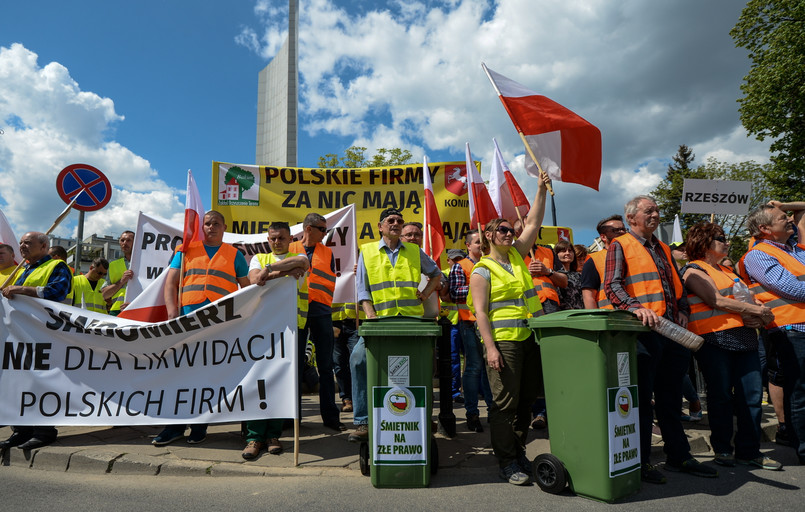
pixel 650 75
pixel 50 123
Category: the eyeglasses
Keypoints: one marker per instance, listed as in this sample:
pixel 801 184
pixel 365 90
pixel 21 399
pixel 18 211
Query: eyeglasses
pixel 394 220
pixel 721 239
pixel 323 229
pixel 503 230
pixel 412 235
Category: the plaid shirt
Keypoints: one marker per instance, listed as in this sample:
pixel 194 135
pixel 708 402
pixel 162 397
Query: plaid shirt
pixel 615 274
pixel 59 283
pixel 459 287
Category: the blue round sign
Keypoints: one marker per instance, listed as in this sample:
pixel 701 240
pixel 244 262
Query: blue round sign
pixel 77 178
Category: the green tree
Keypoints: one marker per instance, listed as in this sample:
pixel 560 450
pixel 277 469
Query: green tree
pixel 773 105
pixel 669 192
pixel 244 178
pixel 355 157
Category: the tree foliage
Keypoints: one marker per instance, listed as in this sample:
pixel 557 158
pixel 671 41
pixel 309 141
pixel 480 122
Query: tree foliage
pixel 669 192
pixel 355 157
pixel 773 105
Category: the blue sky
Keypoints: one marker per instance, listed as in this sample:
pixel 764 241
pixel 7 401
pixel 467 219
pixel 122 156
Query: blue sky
pixel 145 90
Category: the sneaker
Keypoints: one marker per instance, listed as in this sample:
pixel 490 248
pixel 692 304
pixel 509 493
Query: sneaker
pixel 540 422
pixel 474 423
pixel 525 465
pixel 346 405
pixel 514 475
pixel 692 417
pixel 725 459
pixel 274 446
pixel 762 463
pixel 167 436
pixel 692 467
pixel 361 434
pixel 252 450
pixel 651 474
pixel 197 436
pixel 783 437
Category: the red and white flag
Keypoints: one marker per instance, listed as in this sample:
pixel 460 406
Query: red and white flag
pixel 567 146
pixel 504 190
pixel 7 237
pixel 482 209
pixel 193 212
pixel 433 231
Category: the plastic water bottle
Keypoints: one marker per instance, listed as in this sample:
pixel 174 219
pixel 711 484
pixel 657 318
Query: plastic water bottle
pixel 741 292
pixel 678 334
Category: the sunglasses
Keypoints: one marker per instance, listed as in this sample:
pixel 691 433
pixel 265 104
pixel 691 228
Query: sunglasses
pixel 394 220
pixel 721 239
pixel 503 230
pixel 320 228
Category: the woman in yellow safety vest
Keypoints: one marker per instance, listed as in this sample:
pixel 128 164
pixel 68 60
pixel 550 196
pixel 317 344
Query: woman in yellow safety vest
pixel 502 296
pixel 729 357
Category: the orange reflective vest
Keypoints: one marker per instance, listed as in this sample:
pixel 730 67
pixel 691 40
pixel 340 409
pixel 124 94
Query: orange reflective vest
pixel 205 278
pixel 464 311
pixel 599 260
pixel 703 318
pixel 543 284
pixel 786 311
pixel 321 279
pixel 642 276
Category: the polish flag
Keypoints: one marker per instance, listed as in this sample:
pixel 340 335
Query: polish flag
pixel 7 237
pixel 482 209
pixel 193 212
pixel 568 147
pixel 433 231
pixel 504 190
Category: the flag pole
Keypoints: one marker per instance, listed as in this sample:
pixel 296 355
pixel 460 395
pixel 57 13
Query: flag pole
pixel 56 222
pixel 519 131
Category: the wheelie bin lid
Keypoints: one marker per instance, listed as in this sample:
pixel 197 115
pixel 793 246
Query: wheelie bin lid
pixel 589 320
pixel 399 326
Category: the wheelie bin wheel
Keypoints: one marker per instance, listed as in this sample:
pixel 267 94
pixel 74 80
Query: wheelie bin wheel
pixel 363 459
pixel 434 456
pixel 549 473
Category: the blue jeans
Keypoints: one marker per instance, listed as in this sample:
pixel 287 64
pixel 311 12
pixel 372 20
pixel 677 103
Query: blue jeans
pixel 320 330
pixel 725 370
pixel 661 364
pixel 357 365
pixel 790 347
pixel 456 348
pixel 475 378
pixel 342 349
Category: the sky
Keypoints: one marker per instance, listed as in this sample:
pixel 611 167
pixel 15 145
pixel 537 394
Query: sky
pixel 146 90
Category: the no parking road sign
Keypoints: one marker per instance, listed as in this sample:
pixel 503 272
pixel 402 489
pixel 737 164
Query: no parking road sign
pixel 74 179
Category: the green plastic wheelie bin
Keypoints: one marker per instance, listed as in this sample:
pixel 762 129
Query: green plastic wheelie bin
pixel 399 372
pixel 589 364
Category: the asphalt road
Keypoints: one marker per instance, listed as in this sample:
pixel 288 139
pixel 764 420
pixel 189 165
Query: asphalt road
pixel 737 488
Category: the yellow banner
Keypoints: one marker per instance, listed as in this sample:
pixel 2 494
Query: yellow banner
pixel 251 197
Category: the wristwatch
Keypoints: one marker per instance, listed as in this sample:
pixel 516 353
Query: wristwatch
pixel 550 274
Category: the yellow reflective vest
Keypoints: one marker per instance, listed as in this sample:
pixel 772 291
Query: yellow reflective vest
pixel 394 288
pixel 512 298
pixel 116 269
pixel 85 297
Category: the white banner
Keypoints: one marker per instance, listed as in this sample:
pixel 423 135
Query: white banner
pixel 720 197
pixel 232 360
pixel 156 239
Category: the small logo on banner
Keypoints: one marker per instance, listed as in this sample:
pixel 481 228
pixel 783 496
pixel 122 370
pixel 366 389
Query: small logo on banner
pixel 455 179
pixel 238 186
pixel 624 402
pixel 399 401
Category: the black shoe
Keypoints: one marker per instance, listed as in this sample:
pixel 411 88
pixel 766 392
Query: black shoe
pixel 783 436
pixel 692 467
pixel 16 439
pixel 652 475
pixel 458 399
pixel 35 442
pixel 525 465
pixel 474 423
pixel 337 426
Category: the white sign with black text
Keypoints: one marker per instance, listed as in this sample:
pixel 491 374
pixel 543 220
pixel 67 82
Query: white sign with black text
pixel 720 197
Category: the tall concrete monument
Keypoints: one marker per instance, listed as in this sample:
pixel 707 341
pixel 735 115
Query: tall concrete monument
pixel 277 100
